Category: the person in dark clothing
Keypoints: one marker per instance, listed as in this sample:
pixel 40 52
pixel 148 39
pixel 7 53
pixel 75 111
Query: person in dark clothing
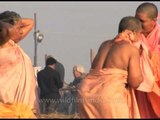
pixel 60 68
pixel 49 83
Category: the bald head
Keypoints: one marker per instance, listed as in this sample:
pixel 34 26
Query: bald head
pixel 129 23
pixel 149 8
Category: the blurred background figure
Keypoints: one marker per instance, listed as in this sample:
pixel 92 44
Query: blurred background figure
pixel 69 91
pixel 49 83
pixel 59 67
pixel 79 74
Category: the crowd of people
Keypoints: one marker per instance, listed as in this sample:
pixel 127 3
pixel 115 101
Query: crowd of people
pixel 124 74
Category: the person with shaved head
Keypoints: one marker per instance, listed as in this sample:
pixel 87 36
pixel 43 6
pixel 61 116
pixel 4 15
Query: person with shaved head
pixel 107 91
pixel 149 102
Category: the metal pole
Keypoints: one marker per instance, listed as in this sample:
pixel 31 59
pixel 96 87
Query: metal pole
pixel 45 58
pixel 35 39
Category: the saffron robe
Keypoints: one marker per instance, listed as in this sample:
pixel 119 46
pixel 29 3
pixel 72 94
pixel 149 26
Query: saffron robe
pixel 149 101
pixel 104 94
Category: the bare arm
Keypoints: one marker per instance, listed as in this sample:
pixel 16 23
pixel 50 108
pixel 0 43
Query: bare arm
pixel 134 70
pixel 27 25
pixel 21 29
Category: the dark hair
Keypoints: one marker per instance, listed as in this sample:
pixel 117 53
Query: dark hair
pixel 50 61
pixel 4 32
pixel 149 8
pixel 9 17
pixel 130 23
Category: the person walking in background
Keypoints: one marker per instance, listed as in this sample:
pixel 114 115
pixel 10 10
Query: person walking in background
pixel 18 90
pixel 149 102
pixel 49 83
pixel 109 86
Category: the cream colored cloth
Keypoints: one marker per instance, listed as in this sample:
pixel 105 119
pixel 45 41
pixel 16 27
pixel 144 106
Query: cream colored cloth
pixel 103 94
pixel 17 80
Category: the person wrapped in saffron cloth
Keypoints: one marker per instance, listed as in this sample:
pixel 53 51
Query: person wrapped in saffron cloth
pixel 107 91
pixel 18 88
pixel 149 101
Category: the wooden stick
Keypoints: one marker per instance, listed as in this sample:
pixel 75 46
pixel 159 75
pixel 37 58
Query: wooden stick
pixel 91 56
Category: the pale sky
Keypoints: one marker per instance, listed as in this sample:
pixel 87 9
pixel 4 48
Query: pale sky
pixel 71 29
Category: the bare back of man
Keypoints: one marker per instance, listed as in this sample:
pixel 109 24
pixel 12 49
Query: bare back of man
pixel 102 52
pixel 121 55
pixel 125 56
pixel 115 71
